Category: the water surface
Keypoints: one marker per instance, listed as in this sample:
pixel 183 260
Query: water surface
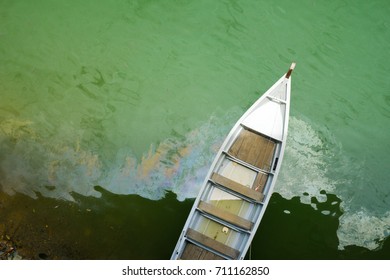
pixel 136 96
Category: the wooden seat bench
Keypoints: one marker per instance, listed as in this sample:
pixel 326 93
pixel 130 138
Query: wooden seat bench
pixel 225 215
pixel 211 243
pixel 236 187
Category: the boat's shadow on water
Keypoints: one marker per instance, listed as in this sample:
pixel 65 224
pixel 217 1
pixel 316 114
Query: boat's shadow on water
pixel 131 227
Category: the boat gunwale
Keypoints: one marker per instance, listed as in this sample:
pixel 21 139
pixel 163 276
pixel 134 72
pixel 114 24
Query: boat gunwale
pixel 285 79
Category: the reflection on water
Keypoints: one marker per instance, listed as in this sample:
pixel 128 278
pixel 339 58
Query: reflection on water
pixel 32 165
pixel 120 95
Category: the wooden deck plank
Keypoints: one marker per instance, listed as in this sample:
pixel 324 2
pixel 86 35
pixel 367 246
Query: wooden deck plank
pixel 211 243
pixel 236 187
pixel 194 252
pixel 224 215
pixel 254 149
pixel 259 183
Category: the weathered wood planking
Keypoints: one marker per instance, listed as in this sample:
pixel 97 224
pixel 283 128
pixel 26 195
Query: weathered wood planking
pixel 254 149
pixel 224 215
pixel 236 187
pixel 194 252
pixel 211 243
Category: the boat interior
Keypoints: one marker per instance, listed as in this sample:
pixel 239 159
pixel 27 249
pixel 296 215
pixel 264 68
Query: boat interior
pixel 232 199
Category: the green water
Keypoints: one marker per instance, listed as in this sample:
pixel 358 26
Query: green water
pixel 137 96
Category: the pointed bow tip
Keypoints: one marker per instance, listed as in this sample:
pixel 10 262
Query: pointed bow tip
pixel 293 64
pixel 288 74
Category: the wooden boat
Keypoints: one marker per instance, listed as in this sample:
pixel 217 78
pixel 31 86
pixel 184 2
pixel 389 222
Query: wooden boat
pixel 240 182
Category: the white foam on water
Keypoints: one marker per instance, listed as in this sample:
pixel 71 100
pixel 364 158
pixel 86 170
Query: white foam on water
pixel 173 165
pixel 304 168
pixel 177 165
pixel 315 165
pixel 363 229
pixel 58 167
pixel 32 164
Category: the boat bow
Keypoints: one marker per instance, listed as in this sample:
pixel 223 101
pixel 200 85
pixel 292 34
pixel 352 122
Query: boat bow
pixel 240 182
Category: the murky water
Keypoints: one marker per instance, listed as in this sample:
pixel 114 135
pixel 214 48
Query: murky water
pixel 136 96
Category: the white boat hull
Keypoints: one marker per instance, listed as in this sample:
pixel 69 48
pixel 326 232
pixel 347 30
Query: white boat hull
pixel 240 182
